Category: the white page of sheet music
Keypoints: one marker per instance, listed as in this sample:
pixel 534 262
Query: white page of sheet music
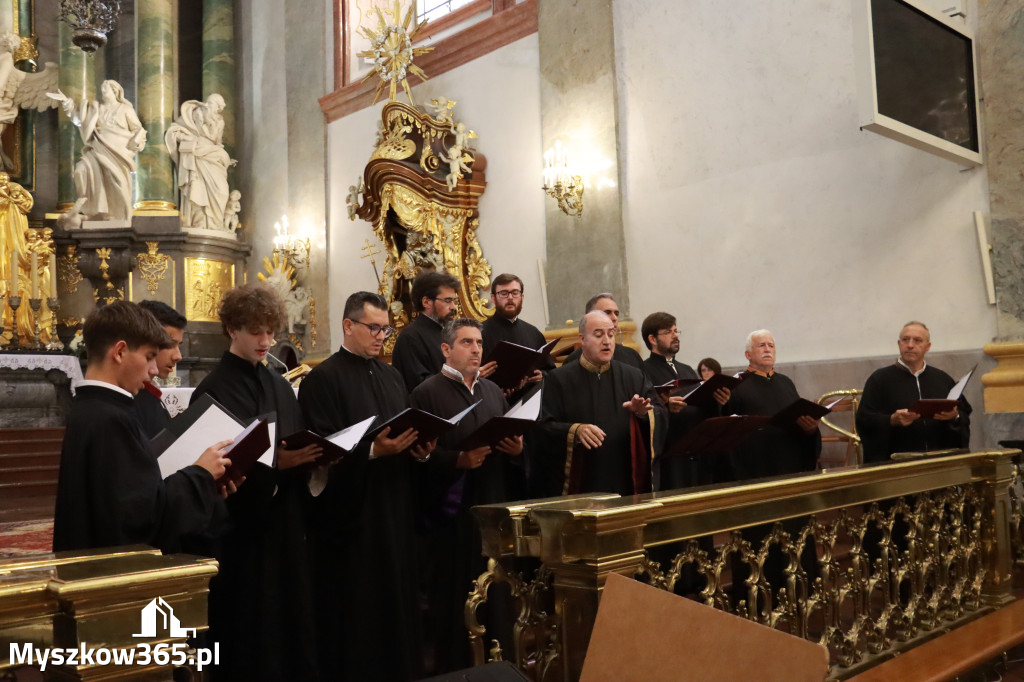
pixel 528 410
pixel 346 439
pixel 212 427
pixel 268 456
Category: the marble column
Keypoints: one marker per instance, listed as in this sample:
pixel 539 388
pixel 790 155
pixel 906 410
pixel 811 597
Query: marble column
pixel 579 108
pixel 77 79
pixel 156 39
pixel 1000 41
pixel 219 61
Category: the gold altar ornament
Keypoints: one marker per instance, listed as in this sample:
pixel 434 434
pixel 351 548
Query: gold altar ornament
pixel 560 183
pixel 67 270
pixel 392 51
pixel 425 213
pixel 153 266
pixel 206 281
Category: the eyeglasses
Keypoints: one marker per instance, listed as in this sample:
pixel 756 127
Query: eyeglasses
pixel 673 330
pixel 511 293
pixel 451 300
pixel 376 329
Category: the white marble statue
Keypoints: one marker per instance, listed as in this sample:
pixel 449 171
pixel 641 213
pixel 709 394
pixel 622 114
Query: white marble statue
pixel 231 212
pixel 111 135
pixel 20 89
pixel 195 144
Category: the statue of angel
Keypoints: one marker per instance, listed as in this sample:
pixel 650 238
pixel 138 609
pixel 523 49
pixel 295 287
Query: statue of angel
pixel 21 89
pixel 111 135
pixel 231 212
pixel 194 142
pixel 456 160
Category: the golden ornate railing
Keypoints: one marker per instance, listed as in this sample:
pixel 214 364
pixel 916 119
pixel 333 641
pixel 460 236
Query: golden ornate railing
pixel 902 551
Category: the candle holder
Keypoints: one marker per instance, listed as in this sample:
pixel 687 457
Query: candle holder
pixel 55 344
pixel 15 303
pixel 35 304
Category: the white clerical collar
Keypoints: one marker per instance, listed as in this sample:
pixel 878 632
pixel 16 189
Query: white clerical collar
pixel 924 366
pixel 103 384
pixel 456 375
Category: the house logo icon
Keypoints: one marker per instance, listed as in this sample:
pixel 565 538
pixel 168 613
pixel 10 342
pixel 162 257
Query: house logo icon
pixel 159 611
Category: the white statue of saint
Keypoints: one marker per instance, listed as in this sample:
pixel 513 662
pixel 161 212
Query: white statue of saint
pixel 194 142
pixel 111 135
pixel 21 89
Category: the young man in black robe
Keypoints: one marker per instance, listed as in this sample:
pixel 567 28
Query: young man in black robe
pixel 661 335
pixel 362 535
pixel 773 451
pixel 507 294
pixel 417 352
pixel 601 421
pixel 459 480
pixel 110 491
pixel 261 601
pixel 623 354
pixel 153 415
pixel 884 423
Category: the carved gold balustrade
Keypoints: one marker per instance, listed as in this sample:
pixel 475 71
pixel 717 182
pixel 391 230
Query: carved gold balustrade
pixel 904 551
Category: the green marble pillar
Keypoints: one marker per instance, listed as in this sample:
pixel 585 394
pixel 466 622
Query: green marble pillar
pixel 219 61
pixel 156 40
pixel 77 80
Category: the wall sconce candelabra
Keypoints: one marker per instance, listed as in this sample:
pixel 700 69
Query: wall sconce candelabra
pixel 560 183
pixel 291 247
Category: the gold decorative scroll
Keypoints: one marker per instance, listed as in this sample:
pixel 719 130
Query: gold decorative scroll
pixel 153 266
pixel 67 270
pixel 206 281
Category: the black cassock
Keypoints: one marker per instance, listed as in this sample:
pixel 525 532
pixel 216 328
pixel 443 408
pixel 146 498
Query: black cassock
pixel 497 329
pixel 153 416
pixel 452 536
pixel 894 388
pixel 110 491
pixel 575 395
pixel 260 602
pixel 417 354
pixel 772 451
pixel 623 354
pixel 680 472
pixel 363 529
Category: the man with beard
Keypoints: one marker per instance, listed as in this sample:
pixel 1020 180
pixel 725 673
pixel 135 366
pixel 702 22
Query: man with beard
pixel 600 419
pixel 151 411
pixel 605 302
pixel 458 480
pixel 261 601
pixel 417 354
pixel 507 295
pixel 883 420
pixel 661 335
pixel 362 534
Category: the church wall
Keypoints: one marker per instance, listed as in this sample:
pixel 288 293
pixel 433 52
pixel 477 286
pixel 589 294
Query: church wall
pixel 751 199
pixel 498 96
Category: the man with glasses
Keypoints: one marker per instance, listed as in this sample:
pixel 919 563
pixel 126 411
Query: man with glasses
pixel 363 521
pixel 417 354
pixel 507 294
pixel 662 338
pixel 605 302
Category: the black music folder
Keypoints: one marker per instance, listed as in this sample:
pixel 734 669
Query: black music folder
pixel 515 422
pixel 428 426
pixel 336 446
pixel 516 362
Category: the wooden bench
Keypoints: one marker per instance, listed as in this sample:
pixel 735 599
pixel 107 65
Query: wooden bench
pixel 957 652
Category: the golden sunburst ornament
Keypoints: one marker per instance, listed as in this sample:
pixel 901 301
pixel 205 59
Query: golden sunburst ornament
pixel 392 50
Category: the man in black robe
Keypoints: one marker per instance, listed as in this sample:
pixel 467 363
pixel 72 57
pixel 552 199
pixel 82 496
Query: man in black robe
pixel 884 423
pixel 623 354
pixel 459 480
pixel 507 295
pixel 110 491
pixel 363 536
pixel 773 451
pixel 417 352
pixel 601 420
pixel 153 415
pixel 261 601
pixel 661 335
